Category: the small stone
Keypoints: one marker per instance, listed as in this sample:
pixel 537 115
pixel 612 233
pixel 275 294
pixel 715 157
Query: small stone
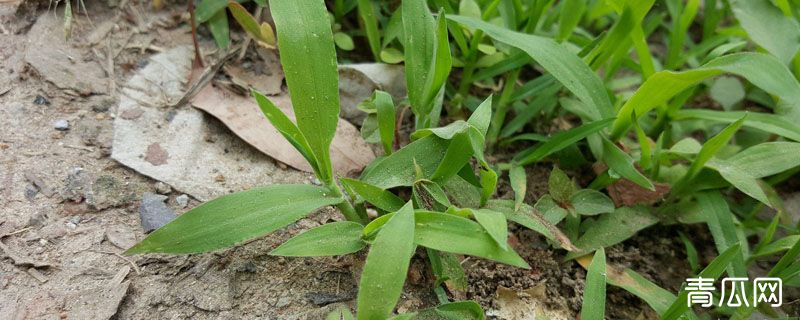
pixel 61 125
pixel 182 200
pixel 31 191
pixel 315 181
pixel 103 106
pixel 41 100
pixel 163 188
pixel 283 302
pixel 154 213
pixel 219 178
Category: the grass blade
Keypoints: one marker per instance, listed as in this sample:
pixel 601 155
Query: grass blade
pixel 560 141
pixel 594 295
pixel 449 233
pixel 564 65
pixel 331 239
pixel 234 218
pixel 386 266
pixel 307 48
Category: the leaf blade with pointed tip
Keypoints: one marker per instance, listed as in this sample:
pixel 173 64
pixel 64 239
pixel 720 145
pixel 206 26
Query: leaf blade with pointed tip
pixel 449 233
pixel 307 48
pixel 331 239
pixel 386 266
pixel 560 141
pixel 564 65
pixel 594 295
pixel 234 218
pixel 495 224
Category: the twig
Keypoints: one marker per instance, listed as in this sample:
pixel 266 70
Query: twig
pixel 135 267
pixel 197 57
pixel 79 147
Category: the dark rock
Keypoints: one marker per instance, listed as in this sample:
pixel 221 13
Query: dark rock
pixel 326 298
pixel 41 100
pixel 31 191
pixel 154 212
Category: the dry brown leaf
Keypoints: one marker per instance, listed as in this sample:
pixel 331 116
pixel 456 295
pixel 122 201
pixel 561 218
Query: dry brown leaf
pixel 349 152
pixel 626 193
pixel 268 83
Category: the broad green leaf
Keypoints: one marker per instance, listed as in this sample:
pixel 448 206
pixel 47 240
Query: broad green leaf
pixel 519 183
pixel 482 116
pixel 447 269
pixel 612 228
pixel 381 198
pixel 686 146
pixel 590 202
pixel 594 295
pixel 622 164
pixel 720 222
pixel 262 33
pixel 306 46
pixel 449 233
pixel 331 239
pixel 382 106
pixel 286 127
pixel 430 195
pixel 427 55
pixel 218 25
pixel 762 160
pixel 764 71
pixel 691 252
pixel 562 64
pixel 234 218
pixel 457 155
pixel 543 223
pixel 495 224
pixel 488 183
pixel 341 313
pixel 656 297
pixel 368 19
pixel 343 41
pixel 560 186
pixel 789 259
pixel 768 27
pixel 391 56
pixel 771 123
pixel 560 141
pixel 727 91
pixel 398 168
pixel 744 168
pixel 779 245
pixel 713 271
pixel 386 266
pixel 208 8
pixel 570 16
pixel 709 149
pixel 469 8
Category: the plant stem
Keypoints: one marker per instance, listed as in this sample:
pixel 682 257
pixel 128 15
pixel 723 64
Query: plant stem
pixel 499 116
pixel 345 206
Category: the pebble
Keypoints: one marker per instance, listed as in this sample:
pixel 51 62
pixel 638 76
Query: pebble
pixel 61 125
pixel 182 200
pixel 154 213
pixel 41 100
pixel 163 188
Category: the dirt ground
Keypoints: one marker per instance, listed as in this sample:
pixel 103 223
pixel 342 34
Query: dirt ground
pixel 68 211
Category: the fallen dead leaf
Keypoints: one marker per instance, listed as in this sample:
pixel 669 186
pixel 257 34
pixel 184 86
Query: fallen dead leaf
pixel 626 193
pixel 268 82
pixel 58 62
pixel 349 152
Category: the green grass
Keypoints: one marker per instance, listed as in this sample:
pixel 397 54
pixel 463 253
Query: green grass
pixel 698 100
